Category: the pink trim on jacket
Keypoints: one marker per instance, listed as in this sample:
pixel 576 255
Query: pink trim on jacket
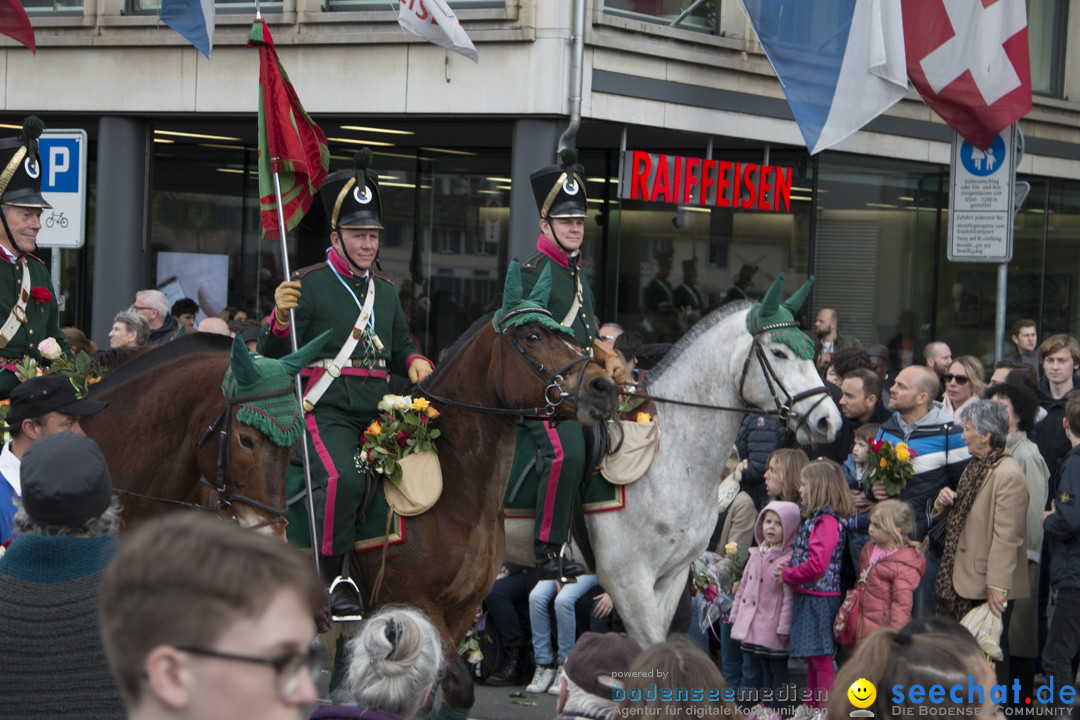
pixel 823 540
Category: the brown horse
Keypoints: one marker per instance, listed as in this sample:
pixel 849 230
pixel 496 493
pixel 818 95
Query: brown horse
pixel 162 437
pixel 452 553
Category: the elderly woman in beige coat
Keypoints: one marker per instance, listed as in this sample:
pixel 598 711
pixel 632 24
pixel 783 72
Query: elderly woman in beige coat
pixel 985 554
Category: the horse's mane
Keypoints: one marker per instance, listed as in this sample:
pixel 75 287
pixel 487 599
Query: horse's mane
pixel 700 328
pixel 196 342
pixel 458 344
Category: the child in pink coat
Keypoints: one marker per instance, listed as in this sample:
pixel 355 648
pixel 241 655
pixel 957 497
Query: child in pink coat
pixel 761 611
pixel 892 567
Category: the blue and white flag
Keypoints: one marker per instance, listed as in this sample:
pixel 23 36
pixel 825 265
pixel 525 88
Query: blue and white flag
pixel 193 19
pixel 841 63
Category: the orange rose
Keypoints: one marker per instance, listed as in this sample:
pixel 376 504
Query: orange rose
pixel 373 429
pixel 432 413
pixel 884 462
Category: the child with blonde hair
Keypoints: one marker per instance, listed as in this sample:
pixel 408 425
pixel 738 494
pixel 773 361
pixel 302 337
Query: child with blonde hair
pixel 891 567
pixel 782 474
pixel 814 575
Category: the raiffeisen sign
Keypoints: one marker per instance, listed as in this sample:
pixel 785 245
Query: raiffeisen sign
pixel 710 183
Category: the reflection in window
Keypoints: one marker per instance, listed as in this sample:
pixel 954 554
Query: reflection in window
pixel 384 5
pixel 220 6
pixel 1047 30
pixel 44 8
pixel 698 15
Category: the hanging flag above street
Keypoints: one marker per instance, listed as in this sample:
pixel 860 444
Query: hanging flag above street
pixel 840 63
pixel 193 19
pixel 16 25
pixel 969 60
pixel 434 21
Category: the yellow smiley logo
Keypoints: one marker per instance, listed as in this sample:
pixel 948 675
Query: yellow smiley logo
pixel 862 693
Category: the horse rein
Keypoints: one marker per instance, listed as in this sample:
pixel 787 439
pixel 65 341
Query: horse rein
pixel 225 497
pixel 553 380
pixel 785 409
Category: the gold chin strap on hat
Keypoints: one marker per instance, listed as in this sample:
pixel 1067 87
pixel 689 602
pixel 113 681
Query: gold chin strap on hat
pixel 340 201
pixel 12 166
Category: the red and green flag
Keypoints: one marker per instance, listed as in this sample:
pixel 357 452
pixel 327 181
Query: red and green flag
pixel 15 24
pixel 290 143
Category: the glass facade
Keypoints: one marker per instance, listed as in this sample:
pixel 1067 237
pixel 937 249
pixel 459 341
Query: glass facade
pixel 701 15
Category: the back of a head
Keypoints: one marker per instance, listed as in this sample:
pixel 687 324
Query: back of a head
pixel 677 676
pixel 183 580
pixel 1025 403
pixel 941 652
pixel 845 360
pixel 393 662
pixel 66 487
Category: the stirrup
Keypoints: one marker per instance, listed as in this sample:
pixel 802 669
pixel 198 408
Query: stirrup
pixel 350 610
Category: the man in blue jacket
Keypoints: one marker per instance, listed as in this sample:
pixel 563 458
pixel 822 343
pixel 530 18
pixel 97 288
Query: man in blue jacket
pixel 939 456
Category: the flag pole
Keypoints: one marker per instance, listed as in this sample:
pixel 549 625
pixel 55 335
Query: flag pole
pixel 315 550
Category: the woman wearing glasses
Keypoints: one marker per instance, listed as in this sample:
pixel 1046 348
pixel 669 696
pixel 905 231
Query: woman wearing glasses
pixel 964 385
pixel 394 664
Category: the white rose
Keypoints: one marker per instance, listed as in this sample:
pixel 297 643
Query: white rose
pixel 50 349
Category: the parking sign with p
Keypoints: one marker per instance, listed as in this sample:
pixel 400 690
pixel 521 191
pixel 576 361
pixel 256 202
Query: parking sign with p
pixel 63 184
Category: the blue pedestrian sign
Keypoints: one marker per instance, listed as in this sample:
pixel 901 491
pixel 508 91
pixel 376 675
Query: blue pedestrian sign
pixel 981 210
pixel 982 163
pixel 63 184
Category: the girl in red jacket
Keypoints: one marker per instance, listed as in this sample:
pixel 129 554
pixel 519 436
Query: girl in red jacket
pixel 892 566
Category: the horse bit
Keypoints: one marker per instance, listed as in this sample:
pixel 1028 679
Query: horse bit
pixel 554 393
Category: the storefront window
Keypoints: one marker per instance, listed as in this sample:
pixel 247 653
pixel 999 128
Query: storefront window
pixel 879 227
pixel 678 262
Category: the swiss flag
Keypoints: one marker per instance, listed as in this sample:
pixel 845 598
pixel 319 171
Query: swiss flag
pixel 15 24
pixel 969 61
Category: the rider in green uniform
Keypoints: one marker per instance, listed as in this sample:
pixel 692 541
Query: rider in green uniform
pixel 329 296
pixel 28 309
pixel 559 447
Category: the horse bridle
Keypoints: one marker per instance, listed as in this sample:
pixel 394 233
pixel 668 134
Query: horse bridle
pixel 784 408
pixel 554 392
pixel 226 496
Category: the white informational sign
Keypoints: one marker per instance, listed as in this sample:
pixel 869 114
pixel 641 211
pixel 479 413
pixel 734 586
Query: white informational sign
pixel 981 200
pixel 63 185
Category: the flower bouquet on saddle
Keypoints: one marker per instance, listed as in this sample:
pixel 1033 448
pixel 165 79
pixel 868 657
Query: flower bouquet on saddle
pixel 713 577
pixel 83 370
pixel 890 465
pixel 403 428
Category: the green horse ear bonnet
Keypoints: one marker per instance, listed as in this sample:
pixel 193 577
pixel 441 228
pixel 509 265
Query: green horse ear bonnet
pixel 516 309
pixel 771 311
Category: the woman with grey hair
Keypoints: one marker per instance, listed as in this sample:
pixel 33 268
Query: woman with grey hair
pixel 394 664
pixel 985 551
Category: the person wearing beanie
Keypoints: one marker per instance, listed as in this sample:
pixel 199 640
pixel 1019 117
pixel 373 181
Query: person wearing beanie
pixel 28 310
pixel 52 661
pixel 40 407
pixel 369 329
pixel 592 670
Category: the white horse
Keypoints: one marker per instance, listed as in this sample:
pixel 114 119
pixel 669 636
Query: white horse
pixel 643 551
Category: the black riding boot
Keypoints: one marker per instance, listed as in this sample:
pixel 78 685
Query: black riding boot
pixel 346 605
pixel 552 564
pixel 514 671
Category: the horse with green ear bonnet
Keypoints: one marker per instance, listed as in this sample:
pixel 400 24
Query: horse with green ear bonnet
pixel 518 310
pixel 778 318
pixel 263 388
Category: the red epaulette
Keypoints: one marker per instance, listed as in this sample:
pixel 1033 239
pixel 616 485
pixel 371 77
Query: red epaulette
pixel 386 280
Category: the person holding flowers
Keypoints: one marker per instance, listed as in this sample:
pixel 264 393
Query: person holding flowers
pixel 345 385
pixel 762 610
pixel 938 456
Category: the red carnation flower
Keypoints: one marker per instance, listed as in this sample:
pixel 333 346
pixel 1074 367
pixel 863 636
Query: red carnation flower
pixel 41 294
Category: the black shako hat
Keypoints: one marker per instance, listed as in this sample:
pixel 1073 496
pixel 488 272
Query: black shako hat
pixel 49 393
pixel 560 189
pixel 65 480
pixel 351 197
pixel 20 177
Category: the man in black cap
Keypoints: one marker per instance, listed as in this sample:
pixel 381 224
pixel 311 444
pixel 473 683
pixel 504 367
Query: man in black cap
pixel 53 661
pixel 555 452
pixel 344 386
pixel 28 309
pixel 42 406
